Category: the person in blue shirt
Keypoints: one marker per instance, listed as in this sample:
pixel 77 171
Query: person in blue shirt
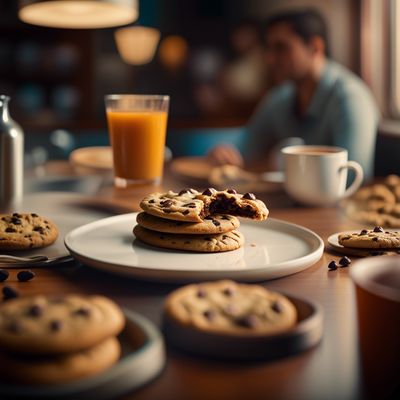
pixel 315 99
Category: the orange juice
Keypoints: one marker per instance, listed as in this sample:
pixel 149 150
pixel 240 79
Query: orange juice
pixel 138 141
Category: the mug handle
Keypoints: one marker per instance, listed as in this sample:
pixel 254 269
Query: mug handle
pixel 356 167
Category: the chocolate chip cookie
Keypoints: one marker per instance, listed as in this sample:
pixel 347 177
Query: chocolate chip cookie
pixel 199 243
pixel 26 231
pixel 192 206
pixel 376 238
pixel 43 325
pixel 210 225
pixel 229 308
pixel 60 368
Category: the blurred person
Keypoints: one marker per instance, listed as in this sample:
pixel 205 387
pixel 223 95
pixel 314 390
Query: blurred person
pixel 315 99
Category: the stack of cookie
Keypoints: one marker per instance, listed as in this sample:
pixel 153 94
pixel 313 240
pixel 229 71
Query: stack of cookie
pixel 194 221
pixel 47 341
pixel 377 204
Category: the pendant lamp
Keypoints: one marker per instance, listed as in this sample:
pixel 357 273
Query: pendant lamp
pixel 78 14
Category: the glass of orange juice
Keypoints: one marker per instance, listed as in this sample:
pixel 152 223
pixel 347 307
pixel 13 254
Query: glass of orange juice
pixel 137 127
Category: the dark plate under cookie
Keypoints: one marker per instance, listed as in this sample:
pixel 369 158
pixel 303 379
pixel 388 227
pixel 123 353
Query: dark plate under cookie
pixel 306 334
pixel 143 358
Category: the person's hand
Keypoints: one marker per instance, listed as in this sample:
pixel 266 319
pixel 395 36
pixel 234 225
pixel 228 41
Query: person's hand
pixel 225 154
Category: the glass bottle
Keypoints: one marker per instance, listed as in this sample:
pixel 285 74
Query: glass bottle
pixel 11 160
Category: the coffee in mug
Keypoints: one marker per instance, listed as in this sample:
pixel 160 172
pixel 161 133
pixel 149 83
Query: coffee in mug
pixel 377 284
pixel 317 175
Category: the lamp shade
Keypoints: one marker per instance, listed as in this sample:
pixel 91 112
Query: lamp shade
pixel 78 14
pixel 137 44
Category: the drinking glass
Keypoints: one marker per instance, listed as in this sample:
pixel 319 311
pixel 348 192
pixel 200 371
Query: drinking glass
pixel 137 127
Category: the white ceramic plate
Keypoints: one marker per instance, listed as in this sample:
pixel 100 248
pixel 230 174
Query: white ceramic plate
pixel 273 249
pixel 139 363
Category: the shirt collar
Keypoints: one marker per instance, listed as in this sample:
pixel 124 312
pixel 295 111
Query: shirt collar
pixel 325 84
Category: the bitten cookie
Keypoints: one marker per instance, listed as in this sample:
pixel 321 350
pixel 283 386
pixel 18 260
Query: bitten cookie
pixel 61 368
pixel 192 206
pixel 231 309
pixel 26 231
pixel 376 238
pixel 210 225
pixel 43 325
pixel 200 243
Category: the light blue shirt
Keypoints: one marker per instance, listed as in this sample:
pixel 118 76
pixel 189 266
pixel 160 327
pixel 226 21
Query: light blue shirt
pixel 342 113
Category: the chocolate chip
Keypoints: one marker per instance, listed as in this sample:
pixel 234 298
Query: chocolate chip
pixel 10 230
pixel 34 215
pixel 249 321
pixel 151 201
pixel 345 261
pixel 249 196
pixel 9 293
pixel 83 311
pixel 216 223
pixel 225 237
pixel 167 203
pixel 378 229
pixel 375 239
pixel 225 217
pixel 14 327
pixel 231 191
pixel 332 265
pixel 4 274
pixel 35 311
pixel 167 211
pixel 186 212
pixel 17 215
pixel 56 325
pixel 229 291
pixel 25 276
pixel 39 229
pixel 189 205
pixel 183 191
pixel 210 314
pixel 16 221
pixel 363 232
pixel 201 293
pixel 277 307
pixel 209 192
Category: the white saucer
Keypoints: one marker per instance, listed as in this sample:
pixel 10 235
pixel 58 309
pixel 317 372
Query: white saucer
pixel 273 249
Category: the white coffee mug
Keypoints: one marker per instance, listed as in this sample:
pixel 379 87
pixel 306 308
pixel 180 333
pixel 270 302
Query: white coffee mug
pixel 317 175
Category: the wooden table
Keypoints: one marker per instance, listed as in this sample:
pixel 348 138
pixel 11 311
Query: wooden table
pixel 329 371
